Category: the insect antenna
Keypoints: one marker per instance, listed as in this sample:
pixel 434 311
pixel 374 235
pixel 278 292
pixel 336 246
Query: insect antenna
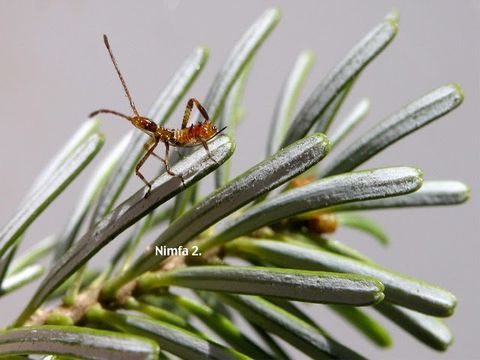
pixel 107 111
pixel 132 105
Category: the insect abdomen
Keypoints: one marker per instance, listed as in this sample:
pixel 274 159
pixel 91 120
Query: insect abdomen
pixel 194 134
pixel 185 136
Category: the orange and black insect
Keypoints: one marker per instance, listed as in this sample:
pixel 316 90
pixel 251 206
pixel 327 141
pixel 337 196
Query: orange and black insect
pixel 322 223
pixel 318 222
pixel 194 135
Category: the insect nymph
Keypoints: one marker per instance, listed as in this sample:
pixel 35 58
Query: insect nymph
pixel 194 135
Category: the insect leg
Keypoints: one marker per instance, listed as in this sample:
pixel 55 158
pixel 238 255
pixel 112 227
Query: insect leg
pixel 205 145
pixel 147 146
pixel 167 163
pixel 151 144
pixel 188 111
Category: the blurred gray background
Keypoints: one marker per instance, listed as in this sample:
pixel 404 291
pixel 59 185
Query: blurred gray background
pixel 54 70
